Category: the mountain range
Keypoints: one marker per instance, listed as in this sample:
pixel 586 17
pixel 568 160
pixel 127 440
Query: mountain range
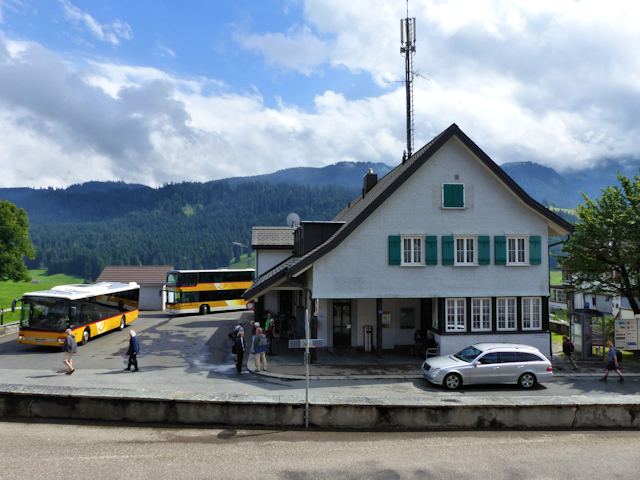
pixel 82 228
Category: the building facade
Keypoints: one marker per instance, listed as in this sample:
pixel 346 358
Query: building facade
pixel 446 242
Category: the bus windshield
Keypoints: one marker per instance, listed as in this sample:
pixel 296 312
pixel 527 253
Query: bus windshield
pixel 41 313
pixel 172 279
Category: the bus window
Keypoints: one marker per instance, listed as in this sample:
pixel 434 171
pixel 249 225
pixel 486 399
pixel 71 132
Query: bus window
pixel 208 277
pixel 188 279
pixel 172 280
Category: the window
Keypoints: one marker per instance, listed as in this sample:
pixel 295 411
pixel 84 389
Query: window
pixel 465 251
pixel 506 313
pixel 489 359
pixel 480 314
pixel 412 251
pixel 452 195
pixel 456 316
pixel 531 314
pixel 561 296
pixel 517 251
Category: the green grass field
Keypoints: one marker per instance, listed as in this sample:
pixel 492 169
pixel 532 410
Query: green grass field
pixel 555 277
pixel 12 290
pixel 245 261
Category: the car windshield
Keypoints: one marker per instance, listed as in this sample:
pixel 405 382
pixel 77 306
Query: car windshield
pixel 468 354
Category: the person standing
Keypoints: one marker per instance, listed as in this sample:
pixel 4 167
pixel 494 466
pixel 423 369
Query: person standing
pixel 567 348
pixel 260 348
pixel 271 337
pixel 612 362
pixel 69 347
pixel 134 348
pixel 240 347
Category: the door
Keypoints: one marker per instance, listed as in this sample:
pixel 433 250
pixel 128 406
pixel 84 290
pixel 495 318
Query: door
pixel 488 371
pixel 511 366
pixel 342 323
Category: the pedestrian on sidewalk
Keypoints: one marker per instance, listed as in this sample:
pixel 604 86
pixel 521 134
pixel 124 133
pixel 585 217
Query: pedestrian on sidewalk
pixel 567 348
pixel 69 347
pixel 240 347
pixel 612 359
pixel 260 346
pixel 134 349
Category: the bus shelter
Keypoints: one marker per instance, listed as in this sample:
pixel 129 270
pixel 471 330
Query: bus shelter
pixel 587 333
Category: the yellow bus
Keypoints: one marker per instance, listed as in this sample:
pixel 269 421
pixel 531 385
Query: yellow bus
pixel 88 310
pixel 204 291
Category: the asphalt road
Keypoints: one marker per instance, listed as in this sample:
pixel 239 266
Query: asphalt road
pixel 192 353
pixel 41 450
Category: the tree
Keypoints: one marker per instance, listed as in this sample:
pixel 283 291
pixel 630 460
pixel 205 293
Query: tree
pixel 603 254
pixel 14 243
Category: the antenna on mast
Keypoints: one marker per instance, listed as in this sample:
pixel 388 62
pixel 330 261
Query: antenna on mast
pixel 408 50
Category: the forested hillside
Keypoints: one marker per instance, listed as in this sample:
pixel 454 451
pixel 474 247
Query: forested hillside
pixel 189 225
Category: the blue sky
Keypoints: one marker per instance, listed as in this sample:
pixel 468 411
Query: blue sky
pixel 167 91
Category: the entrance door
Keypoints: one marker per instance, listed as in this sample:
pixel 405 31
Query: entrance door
pixel 342 323
pixel 286 302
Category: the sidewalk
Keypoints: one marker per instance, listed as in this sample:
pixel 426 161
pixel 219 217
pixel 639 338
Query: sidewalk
pixel 343 364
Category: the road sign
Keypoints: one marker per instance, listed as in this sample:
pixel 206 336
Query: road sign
pixel 302 343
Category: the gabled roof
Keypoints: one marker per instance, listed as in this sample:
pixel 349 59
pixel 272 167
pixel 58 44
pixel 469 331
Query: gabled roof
pixel 272 238
pixel 142 275
pixel 360 209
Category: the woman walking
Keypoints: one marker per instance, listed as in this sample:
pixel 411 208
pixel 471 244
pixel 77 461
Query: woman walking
pixel 134 348
pixel 612 359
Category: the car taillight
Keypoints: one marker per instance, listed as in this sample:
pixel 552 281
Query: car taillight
pixel 549 368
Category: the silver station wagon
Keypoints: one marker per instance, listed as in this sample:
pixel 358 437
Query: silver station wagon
pixel 489 363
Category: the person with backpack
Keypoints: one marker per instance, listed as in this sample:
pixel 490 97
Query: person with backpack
pixel 238 349
pixel 260 346
pixel 568 348
pixel 612 359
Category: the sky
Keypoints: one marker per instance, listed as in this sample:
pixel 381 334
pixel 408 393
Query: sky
pixel 159 91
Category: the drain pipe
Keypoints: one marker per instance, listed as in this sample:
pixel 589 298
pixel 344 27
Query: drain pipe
pixel 314 329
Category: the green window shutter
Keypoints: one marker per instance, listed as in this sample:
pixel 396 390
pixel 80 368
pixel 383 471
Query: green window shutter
pixel 431 250
pixel 447 251
pixel 484 250
pixel 500 246
pixel 535 250
pixel 394 250
pixel 453 195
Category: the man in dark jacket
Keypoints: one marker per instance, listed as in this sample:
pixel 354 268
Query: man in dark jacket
pixel 69 347
pixel 239 344
pixel 134 348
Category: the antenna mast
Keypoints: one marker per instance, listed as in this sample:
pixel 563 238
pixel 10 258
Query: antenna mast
pixel 408 50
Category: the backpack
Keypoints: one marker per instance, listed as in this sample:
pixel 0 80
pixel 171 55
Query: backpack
pixel 571 347
pixel 262 340
pixel 619 355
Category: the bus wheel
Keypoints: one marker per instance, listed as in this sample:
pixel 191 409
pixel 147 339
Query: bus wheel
pixel 204 310
pixel 123 322
pixel 86 336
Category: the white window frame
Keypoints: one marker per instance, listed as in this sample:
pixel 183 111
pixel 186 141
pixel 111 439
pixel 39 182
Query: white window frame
pixel 531 313
pixel 520 255
pixel 412 239
pixel 480 314
pixel 455 314
pixel 465 257
pixel 506 314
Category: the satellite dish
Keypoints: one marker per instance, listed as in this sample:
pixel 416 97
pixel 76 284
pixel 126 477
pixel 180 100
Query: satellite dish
pixel 293 220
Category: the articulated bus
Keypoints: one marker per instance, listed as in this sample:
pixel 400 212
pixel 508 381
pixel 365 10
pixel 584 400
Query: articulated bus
pixel 204 291
pixel 88 310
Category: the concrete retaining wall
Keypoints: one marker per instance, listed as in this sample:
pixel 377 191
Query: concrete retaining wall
pixel 182 408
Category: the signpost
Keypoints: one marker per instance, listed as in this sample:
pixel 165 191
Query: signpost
pixel 306 343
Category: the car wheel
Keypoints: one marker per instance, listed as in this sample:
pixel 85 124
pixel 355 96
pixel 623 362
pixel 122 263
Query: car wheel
pixel 452 381
pixel 527 380
pixel 86 336
pixel 123 322
pixel 204 310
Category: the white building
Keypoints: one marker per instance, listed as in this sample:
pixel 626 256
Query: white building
pixel 445 242
pixel 152 281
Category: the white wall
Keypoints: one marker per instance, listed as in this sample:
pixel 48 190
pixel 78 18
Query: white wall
pixel 267 259
pixel 450 344
pixel 152 297
pixel 359 266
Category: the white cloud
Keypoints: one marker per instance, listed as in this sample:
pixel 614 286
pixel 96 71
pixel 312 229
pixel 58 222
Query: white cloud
pixel 553 81
pixel 112 32
pixel 166 52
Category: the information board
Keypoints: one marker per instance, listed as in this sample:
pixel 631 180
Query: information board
pixel 626 334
